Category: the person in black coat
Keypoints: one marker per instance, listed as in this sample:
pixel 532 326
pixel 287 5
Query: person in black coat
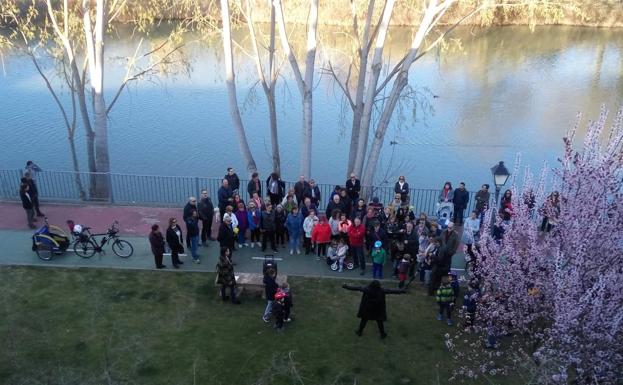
pixel 335 204
pixel 353 187
pixel 402 187
pixel 225 197
pixel 299 189
pixel 226 236
pixel 206 214
pixel 191 206
pixel 372 306
pixel 232 179
pixel 33 192
pixel 254 185
pixel 27 204
pixel 460 200
pixel 174 239
pixel 156 241
pixel 312 191
pixel 275 188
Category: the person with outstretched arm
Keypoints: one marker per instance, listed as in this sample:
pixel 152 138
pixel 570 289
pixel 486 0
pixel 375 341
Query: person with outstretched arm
pixel 372 306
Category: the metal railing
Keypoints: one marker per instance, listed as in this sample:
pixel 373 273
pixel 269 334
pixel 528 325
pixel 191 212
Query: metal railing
pixel 173 191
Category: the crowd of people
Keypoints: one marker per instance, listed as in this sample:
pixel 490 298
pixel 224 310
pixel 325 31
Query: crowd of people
pixel 348 232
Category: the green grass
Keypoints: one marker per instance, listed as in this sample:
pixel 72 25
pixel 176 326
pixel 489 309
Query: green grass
pixel 88 326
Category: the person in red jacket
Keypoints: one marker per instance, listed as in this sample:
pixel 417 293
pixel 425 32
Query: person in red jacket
pixel 321 236
pixel 356 235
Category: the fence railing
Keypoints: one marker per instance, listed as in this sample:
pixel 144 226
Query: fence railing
pixel 153 190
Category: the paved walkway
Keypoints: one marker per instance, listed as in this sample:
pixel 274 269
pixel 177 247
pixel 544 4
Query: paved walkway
pixel 135 223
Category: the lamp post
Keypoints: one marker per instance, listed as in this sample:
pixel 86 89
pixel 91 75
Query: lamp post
pixel 500 176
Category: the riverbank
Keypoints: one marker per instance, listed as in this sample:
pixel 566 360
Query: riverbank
pixel 586 13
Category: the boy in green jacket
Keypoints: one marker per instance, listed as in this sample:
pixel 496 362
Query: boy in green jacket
pixel 445 299
pixel 378 260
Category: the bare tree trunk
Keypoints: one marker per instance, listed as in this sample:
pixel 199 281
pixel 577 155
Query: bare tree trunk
pixel 305 85
pixel 268 86
pixel 362 51
pixel 431 16
pixel 94 35
pixel 306 143
pixel 274 139
pixel 74 161
pixel 272 106
pixel 230 81
pixel 376 65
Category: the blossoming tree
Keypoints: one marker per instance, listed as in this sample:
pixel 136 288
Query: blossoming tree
pixel 554 300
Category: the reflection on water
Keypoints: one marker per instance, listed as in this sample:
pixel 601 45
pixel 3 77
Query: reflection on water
pixel 507 91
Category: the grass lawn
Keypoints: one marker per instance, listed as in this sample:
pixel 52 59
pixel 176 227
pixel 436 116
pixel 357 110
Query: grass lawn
pixel 89 326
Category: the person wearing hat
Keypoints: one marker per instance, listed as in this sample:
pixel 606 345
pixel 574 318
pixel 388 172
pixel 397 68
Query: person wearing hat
pixel 378 256
pixel 372 305
pixel 279 308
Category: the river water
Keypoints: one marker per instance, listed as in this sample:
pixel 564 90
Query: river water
pixel 506 91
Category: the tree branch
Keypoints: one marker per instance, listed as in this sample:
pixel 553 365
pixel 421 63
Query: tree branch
pixel 344 88
pixel 140 74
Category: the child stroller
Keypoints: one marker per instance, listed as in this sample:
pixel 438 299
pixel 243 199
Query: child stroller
pixel 333 261
pixel 49 240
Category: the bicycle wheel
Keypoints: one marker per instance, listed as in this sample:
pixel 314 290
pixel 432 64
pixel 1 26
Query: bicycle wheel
pixel 84 249
pixel 122 248
pixel 44 251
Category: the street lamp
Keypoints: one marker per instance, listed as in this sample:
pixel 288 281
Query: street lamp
pixel 500 176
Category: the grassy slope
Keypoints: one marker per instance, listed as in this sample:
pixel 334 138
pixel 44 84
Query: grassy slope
pixel 92 326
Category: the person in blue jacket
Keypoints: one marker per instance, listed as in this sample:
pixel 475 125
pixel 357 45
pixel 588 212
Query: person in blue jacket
pixel 294 224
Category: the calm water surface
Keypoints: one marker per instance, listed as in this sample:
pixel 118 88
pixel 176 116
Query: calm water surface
pixel 507 91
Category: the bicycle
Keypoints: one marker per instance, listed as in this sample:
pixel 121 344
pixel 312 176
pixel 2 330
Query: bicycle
pixel 87 244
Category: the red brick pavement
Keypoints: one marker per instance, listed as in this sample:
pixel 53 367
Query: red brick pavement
pixel 133 220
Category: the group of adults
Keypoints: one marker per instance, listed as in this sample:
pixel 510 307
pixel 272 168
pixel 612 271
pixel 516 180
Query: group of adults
pixel 271 214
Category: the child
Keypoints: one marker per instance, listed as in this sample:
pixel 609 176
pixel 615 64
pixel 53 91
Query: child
pixel 454 283
pixel 254 215
pixel 378 260
pixel 321 236
pixel 397 250
pixel 308 227
pixel 469 302
pixel 445 299
pixel 287 301
pixel 337 253
pixel 279 309
pixel 403 269
pixel 243 220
